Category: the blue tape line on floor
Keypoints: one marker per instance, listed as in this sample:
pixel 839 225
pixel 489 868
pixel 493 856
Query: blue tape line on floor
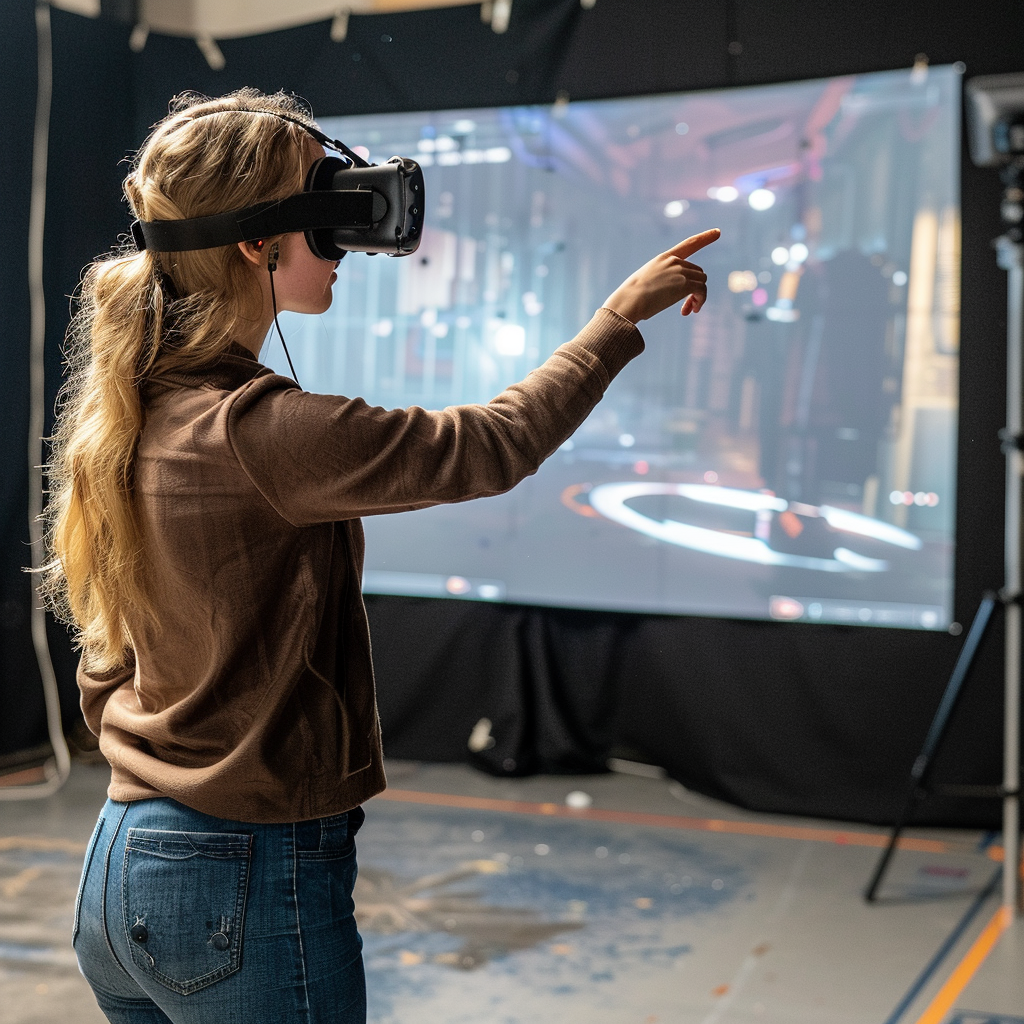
pixel 944 950
pixel 973 1017
pixel 28 954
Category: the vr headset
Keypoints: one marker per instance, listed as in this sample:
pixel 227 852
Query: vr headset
pixel 347 205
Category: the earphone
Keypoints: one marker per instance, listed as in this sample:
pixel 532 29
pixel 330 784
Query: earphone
pixel 273 255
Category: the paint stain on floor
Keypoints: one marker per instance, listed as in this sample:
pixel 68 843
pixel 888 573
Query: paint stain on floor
pixel 537 910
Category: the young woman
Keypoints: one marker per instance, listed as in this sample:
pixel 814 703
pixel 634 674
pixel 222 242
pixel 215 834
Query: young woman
pixel 205 542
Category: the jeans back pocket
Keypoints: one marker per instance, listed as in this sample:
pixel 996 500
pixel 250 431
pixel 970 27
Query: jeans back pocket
pixel 183 904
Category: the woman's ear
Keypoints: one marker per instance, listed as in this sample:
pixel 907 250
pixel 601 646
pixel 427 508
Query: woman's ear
pixel 252 251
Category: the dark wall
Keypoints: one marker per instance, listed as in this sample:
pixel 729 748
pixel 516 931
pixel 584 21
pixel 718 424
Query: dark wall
pixel 20 694
pixel 818 719
pixel 91 130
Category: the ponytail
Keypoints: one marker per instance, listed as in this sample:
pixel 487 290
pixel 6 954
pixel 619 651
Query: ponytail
pixel 94 529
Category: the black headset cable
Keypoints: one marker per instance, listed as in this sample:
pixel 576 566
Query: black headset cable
pixel 272 258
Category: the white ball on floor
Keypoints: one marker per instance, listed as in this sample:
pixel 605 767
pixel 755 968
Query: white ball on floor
pixel 578 799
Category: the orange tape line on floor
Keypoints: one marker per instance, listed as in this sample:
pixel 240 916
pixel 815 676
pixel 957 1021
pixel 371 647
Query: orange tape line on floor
pixel 36 844
pixel 747 828
pixel 958 980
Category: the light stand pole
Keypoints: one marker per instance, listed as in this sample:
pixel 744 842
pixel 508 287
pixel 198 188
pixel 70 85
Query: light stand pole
pixel 1011 259
pixel 995 133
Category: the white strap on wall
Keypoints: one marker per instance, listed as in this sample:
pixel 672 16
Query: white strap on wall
pixel 59 765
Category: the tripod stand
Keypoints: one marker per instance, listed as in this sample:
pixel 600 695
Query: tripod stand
pixel 1010 258
pixel 920 774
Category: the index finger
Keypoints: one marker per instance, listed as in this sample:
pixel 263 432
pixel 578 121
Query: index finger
pixel 688 246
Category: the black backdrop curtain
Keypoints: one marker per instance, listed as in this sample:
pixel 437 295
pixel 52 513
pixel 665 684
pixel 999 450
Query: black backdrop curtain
pixel 805 719
pixel 20 690
pixel 789 719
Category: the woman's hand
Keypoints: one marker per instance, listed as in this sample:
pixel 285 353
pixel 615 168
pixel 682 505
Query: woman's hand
pixel 664 281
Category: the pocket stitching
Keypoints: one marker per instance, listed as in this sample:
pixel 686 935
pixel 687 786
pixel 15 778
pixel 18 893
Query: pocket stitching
pixel 346 851
pixel 144 841
pixel 243 853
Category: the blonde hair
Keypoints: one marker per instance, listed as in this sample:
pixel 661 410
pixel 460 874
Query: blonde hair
pixel 140 314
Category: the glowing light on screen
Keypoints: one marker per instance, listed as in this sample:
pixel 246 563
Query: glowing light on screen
pixel 532 305
pixel 786 608
pixel 610 500
pixel 761 199
pixel 920 498
pixel 458 585
pixel 854 522
pixel 431 152
pixel 509 340
pixel 742 281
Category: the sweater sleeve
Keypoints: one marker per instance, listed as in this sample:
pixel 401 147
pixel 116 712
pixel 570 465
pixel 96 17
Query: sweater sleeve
pixel 317 458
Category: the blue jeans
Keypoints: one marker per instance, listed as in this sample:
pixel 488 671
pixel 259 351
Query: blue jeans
pixel 189 919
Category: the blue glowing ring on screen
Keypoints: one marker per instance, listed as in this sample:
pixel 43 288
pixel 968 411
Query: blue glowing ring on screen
pixel 610 501
pixel 854 522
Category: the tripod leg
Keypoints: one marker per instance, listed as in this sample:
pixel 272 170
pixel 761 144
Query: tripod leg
pixel 883 861
pixel 937 730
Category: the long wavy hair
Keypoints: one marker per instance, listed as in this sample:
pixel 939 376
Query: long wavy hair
pixel 140 314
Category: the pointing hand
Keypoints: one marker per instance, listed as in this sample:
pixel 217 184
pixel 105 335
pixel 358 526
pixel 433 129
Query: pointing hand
pixel 664 281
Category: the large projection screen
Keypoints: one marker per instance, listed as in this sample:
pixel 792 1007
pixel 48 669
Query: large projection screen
pixel 788 453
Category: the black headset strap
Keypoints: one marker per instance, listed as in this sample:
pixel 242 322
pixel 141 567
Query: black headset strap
pixel 307 211
pixel 336 144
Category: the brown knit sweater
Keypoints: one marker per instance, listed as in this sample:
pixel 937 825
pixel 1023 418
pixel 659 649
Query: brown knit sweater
pixel 253 700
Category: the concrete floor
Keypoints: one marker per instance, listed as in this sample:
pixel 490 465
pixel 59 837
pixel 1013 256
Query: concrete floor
pixel 491 901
